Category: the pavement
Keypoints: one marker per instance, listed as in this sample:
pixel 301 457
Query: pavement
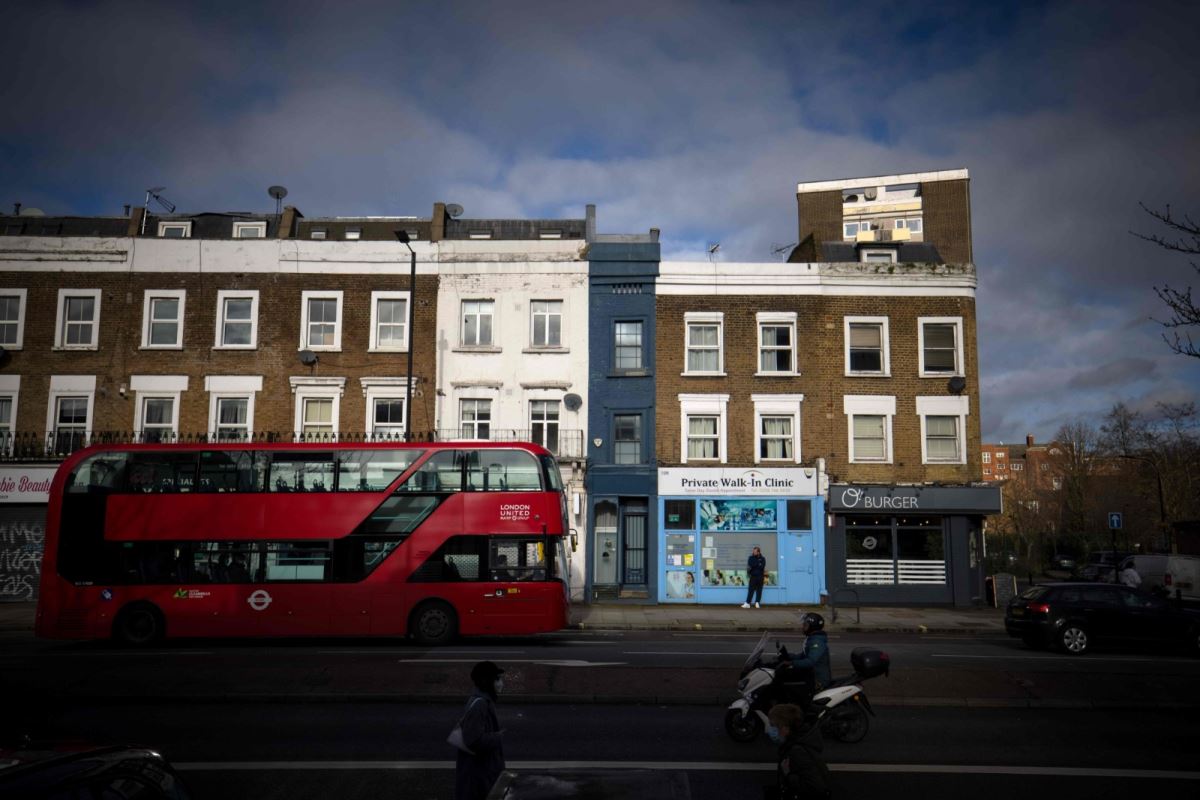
pixel 674 617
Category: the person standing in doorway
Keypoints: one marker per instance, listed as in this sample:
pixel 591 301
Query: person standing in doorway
pixel 756 567
pixel 480 764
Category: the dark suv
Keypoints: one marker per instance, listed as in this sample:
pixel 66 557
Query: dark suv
pixel 1073 616
pixel 39 772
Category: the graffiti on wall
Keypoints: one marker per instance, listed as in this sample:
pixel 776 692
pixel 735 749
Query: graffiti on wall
pixel 21 540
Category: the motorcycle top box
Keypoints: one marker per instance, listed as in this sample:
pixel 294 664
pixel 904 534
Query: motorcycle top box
pixel 869 662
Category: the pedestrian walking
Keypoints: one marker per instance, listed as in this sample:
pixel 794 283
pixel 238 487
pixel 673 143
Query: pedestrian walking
pixel 479 737
pixel 1130 576
pixel 756 567
pixel 802 772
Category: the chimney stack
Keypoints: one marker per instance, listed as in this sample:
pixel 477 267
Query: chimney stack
pixel 16 209
pixel 1029 440
pixel 127 209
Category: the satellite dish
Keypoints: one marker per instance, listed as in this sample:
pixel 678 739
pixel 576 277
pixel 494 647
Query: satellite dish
pixel 851 198
pixel 871 193
pixel 308 358
pixel 572 402
pixel 278 192
pixel 32 212
pixel 454 210
pixel 957 384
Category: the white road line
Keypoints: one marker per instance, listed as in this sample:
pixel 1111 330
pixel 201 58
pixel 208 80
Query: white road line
pixel 554 662
pixel 1073 659
pixel 394 652
pixel 679 653
pixel 695 766
pixel 139 653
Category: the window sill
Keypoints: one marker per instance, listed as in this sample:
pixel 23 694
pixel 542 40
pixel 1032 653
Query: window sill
pixel 941 375
pixel 301 349
pixel 853 461
pixel 777 374
pixel 631 373
pixel 479 349
pixel 868 374
pixel 76 347
pixel 161 347
pixel 235 347
pixel 703 374
pixel 387 350
pixel 547 350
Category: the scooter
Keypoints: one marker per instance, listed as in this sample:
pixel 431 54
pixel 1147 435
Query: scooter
pixel 842 707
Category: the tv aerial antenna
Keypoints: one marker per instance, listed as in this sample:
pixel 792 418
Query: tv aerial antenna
pixel 278 192
pixel 713 248
pixel 153 194
pixel 778 250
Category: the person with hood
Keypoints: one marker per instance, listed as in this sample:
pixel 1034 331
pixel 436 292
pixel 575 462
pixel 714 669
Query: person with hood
pixel 811 668
pixel 476 770
pixel 756 568
pixel 802 772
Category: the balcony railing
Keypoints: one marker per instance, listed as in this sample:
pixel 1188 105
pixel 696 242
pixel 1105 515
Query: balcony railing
pixel 23 446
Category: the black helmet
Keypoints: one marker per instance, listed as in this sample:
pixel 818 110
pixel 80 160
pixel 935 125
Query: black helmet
pixel 814 621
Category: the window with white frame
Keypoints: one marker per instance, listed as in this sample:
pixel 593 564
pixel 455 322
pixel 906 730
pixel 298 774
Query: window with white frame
pixel 867 347
pixel 389 321
pixel 231 406
pixel 703 427
pixel 12 318
pixel 162 318
pixel 477 322
pixel 69 412
pixel 543 423
pixel 353 234
pixel 883 256
pixel 943 429
pixel 940 346
pixel 1016 466
pixel 317 233
pixel 321 322
pixel 627 438
pixel 912 224
pixel 475 418
pixel 175 230
pixel 1000 454
pixel 704 343
pixel 987 457
pixel 870 427
pixel 156 406
pixel 777 427
pixel 777 343
pixel 318 402
pixel 627 345
pixel 78 324
pixel 249 230
pixel 237 319
pixel 10 390
pixel 385 397
pixel 547 323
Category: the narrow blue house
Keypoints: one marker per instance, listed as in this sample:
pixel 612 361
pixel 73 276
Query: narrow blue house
pixel 621 477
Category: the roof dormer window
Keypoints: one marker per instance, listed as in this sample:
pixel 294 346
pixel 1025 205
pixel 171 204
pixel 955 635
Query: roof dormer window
pixel 480 234
pixel 353 234
pixel 175 230
pixel 250 230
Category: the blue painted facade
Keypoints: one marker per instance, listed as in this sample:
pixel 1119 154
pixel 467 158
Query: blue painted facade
pixel 621 545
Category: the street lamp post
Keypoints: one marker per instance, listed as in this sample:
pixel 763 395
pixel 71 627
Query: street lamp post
pixel 402 236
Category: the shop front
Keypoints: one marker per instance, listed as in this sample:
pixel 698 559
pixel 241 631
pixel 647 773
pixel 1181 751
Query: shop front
pixel 908 544
pixel 24 493
pixel 711 519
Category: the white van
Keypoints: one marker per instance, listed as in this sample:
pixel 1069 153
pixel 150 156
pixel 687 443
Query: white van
pixel 1182 576
pixel 1151 568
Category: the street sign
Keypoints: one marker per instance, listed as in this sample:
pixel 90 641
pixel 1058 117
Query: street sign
pixel 1114 520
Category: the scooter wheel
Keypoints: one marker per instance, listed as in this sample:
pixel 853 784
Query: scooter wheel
pixel 742 728
pixel 847 722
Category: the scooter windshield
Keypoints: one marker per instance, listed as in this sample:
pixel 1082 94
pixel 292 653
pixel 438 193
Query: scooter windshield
pixel 758 649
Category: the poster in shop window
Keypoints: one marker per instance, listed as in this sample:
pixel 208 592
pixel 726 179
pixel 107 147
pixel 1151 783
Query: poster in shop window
pixel 737 515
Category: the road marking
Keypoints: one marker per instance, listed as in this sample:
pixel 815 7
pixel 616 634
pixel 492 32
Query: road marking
pixel 141 653
pixel 694 766
pixel 738 653
pixel 565 662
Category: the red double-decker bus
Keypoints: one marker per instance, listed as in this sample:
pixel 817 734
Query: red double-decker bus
pixel 367 539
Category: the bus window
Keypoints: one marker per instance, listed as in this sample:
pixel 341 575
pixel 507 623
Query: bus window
pixel 297 561
pixel 98 474
pixel 553 476
pixel 355 557
pixel 301 472
pixel 151 471
pixel 459 559
pixel 399 514
pixel 442 472
pixel 372 470
pixel 502 471
pixel 232 471
pixel 518 559
pixel 226 562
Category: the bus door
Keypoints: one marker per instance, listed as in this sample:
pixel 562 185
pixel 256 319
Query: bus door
pixel 518 569
pixel 216 598
pixel 291 591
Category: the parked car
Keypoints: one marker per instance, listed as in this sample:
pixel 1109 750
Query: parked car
pixel 1100 565
pixel 1182 577
pixel 1074 616
pixel 1063 561
pixel 30 771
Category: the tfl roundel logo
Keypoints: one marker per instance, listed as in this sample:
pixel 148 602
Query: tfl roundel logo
pixel 259 600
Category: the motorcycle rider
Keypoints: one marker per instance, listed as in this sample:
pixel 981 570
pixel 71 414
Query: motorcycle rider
pixel 812 666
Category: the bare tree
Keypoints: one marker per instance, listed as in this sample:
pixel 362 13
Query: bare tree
pixel 1183 237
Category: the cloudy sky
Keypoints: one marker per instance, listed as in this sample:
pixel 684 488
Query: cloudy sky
pixel 695 117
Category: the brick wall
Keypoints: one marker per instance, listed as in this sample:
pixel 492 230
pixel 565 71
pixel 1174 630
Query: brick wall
pixel 820 216
pixel 120 355
pixel 822 381
pixel 946 208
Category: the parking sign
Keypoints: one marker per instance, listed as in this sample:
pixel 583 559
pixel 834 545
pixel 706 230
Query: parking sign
pixel 1114 520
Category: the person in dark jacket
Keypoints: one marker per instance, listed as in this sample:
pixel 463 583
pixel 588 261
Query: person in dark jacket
pixel 476 771
pixel 756 566
pixel 802 772
pixel 816 649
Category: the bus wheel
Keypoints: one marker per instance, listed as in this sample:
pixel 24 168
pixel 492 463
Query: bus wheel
pixel 433 623
pixel 139 624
